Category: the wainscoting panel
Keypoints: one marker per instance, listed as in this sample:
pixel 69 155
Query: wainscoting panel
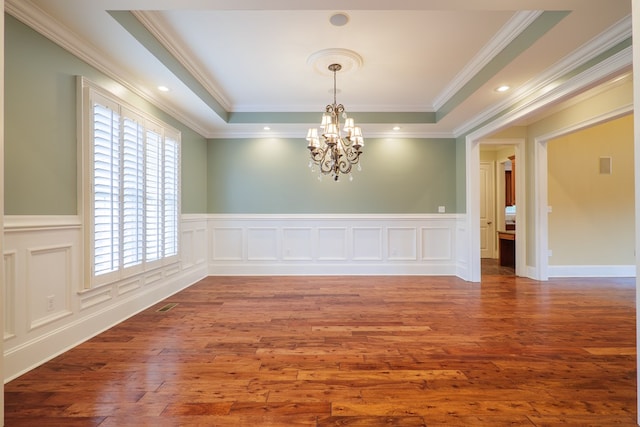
pixel 47 307
pixel 9 293
pixel 297 244
pixel 49 284
pixel 462 248
pixel 332 244
pixel 402 243
pixel 367 244
pixel 262 244
pixel 437 243
pixel 227 244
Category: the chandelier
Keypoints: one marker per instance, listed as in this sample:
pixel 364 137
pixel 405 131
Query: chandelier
pixel 330 151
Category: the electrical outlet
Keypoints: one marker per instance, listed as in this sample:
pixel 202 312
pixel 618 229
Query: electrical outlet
pixel 441 209
pixel 550 253
pixel 50 302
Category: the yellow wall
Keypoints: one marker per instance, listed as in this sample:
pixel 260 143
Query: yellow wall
pixel 592 218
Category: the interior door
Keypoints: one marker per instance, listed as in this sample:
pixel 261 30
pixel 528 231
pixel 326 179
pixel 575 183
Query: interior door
pixel 487 210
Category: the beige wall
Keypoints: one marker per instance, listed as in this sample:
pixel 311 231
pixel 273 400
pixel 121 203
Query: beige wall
pixel 592 218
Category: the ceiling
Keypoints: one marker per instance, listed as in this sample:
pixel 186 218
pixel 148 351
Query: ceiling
pixel 429 67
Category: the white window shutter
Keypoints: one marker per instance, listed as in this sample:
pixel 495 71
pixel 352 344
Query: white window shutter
pixel 171 192
pixel 106 193
pixel 153 196
pixel 132 193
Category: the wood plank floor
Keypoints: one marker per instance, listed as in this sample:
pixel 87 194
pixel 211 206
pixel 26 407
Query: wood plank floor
pixel 352 351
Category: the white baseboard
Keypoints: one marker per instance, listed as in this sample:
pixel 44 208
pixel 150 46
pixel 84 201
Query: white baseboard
pixel 283 269
pixel 30 354
pixel 592 271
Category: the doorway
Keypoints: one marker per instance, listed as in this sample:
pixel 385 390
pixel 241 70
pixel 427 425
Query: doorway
pixel 472 270
pixel 497 181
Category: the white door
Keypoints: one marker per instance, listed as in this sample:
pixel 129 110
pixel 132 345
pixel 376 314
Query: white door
pixel 487 208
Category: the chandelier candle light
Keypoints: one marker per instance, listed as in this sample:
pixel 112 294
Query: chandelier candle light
pixel 329 150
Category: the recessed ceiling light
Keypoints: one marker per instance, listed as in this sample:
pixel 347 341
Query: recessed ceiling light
pixel 396 128
pixel 503 88
pixel 163 89
pixel 266 128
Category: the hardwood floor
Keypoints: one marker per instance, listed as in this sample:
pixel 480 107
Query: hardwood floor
pixel 352 351
pixel 492 267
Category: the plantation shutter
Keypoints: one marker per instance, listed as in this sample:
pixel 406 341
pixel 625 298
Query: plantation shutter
pixel 171 207
pixel 106 185
pixel 132 191
pixel 153 195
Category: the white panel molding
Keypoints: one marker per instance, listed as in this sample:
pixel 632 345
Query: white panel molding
pixel 47 277
pixel 88 300
pixel 315 244
pixel 332 244
pixel 186 242
pixel 262 243
pixel 462 250
pixel 9 293
pixel 402 243
pixel 592 271
pixel 227 244
pixel 153 278
pixel 437 243
pixel 34 335
pixel 124 288
pixel 297 243
pixel 367 243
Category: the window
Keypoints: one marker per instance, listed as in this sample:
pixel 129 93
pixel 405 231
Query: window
pixel 133 188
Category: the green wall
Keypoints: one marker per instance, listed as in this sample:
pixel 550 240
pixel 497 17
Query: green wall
pixel 272 176
pixel 218 176
pixel 41 171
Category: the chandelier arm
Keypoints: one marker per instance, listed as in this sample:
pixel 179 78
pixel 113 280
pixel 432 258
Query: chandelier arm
pixel 352 155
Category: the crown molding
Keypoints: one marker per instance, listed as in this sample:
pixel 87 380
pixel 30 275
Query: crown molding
pixel 170 42
pixel 230 134
pixel 34 17
pixel 512 29
pixel 552 78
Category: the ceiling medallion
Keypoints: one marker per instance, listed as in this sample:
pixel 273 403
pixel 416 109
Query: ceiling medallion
pixel 330 151
pixel 322 59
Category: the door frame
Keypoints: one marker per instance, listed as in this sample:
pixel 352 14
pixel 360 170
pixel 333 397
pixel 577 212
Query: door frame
pixel 541 172
pixel 473 207
pixel 470 256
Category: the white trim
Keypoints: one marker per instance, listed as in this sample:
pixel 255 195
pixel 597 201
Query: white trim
pixel 330 217
pixel 356 244
pixel 34 336
pixel 541 201
pixel 608 67
pixel 32 353
pixel 38 222
pixel 512 29
pixel 528 98
pixel 169 40
pixel 592 271
pixel 52 29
